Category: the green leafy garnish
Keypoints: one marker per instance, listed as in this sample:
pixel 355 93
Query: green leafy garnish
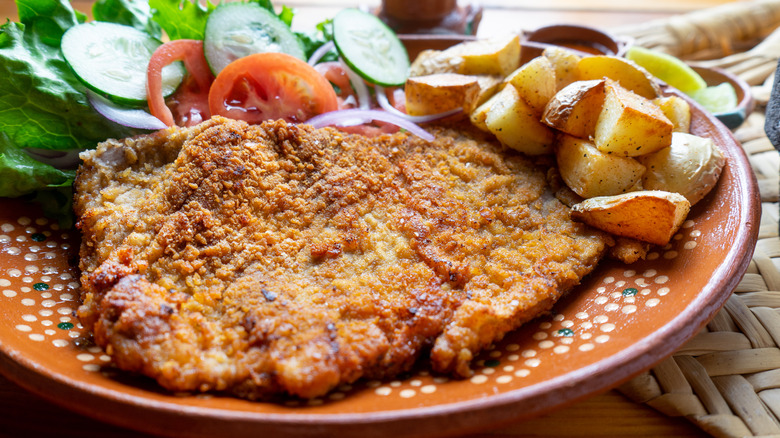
pixel 136 14
pixel 42 104
pixel 181 19
pixel 312 41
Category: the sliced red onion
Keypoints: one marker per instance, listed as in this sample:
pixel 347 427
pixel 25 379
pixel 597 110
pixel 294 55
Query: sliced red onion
pixel 61 159
pixel 131 117
pixel 322 51
pixel 361 89
pixel 381 97
pixel 352 117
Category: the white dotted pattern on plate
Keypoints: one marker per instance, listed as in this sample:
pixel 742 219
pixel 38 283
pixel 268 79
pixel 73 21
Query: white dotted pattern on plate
pixel 49 287
pixel 50 291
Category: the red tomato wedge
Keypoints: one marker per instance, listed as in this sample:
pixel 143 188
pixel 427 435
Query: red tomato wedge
pixel 269 85
pixel 193 93
pixel 335 74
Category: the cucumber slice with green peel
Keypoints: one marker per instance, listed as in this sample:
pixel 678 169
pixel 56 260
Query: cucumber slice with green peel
pixel 370 48
pixel 111 60
pixel 236 30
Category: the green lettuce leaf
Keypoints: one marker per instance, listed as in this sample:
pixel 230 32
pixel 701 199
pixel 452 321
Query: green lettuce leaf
pixel 313 40
pixel 56 203
pixel 22 174
pixel 181 19
pixel 137 14
pixel 48 19
pixel 42 103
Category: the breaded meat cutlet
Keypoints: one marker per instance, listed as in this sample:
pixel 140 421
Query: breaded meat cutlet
pixel 279 259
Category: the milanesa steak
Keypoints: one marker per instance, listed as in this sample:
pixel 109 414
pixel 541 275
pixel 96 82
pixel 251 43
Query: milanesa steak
pixel 272 259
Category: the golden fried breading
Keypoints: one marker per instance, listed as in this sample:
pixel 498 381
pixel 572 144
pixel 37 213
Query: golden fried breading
pixel 273 259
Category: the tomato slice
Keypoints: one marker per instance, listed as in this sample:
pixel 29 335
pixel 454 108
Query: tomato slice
pixel 271 85
pixel 191 100
pixel 335 74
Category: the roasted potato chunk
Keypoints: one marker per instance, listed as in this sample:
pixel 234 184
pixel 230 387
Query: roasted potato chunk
pixel 494 56
pixel 576 108
pixel 649 216
pixel 515 124
pixel 691 167
pixel 489 85
pixel 440 92
pixel 627 73
pixel 630 125
pixel 479 115
pixel 677 110
pixel 535 82
pixel 590 172
pixel 430 62
pixel 564 63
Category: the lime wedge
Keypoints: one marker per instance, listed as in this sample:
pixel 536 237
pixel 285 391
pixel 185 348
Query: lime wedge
pixel 667 68
pixel 717 99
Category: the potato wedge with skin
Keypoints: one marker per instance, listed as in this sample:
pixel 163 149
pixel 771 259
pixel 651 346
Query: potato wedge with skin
pixel 630 125
pixel 515 124
pixel 677 110
pixel 576 108
pixel 590 172
pixel 494 56
pixel 564 63
pixel 630 75
pixel 430 62
pixel 649 216
pixel 437 93
pixel 691 167
pixel 535 82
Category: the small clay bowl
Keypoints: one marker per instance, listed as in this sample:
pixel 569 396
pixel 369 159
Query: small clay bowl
pixel 583 39
pixel 745 103
pixel 580 39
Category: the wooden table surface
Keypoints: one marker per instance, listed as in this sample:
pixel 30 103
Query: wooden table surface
pixel 23 414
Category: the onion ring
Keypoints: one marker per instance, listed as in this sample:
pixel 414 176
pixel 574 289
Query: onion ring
pixel 351 117
pixel 381 97
pixel 320 52
pixel 131 117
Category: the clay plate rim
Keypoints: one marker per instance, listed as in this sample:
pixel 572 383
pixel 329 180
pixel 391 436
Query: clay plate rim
pixel 459 417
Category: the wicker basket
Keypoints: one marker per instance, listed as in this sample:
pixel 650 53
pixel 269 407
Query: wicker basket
pixel 726 380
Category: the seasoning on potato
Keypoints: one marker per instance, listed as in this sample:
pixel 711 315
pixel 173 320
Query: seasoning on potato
pixel 623 149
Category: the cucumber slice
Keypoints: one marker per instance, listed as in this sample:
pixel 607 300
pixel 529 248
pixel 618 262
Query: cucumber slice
pixel 236 30
pixel 370 48
pixel 111 59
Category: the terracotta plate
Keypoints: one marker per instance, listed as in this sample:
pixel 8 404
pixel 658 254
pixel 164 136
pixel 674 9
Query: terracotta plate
pixel 619 322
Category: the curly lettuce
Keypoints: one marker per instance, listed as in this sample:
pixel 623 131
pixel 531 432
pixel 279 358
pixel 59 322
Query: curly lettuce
pixel 42 104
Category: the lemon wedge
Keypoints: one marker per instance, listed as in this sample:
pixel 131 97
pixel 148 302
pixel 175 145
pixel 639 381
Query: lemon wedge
pixel 720 98
pixel 668 69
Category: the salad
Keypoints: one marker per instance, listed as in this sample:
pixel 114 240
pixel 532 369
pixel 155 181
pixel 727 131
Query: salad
pixel 67 84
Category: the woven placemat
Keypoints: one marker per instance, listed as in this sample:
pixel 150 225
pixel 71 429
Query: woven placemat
pixel 726 380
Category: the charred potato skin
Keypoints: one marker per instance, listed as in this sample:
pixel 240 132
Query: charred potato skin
pixel 576 108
